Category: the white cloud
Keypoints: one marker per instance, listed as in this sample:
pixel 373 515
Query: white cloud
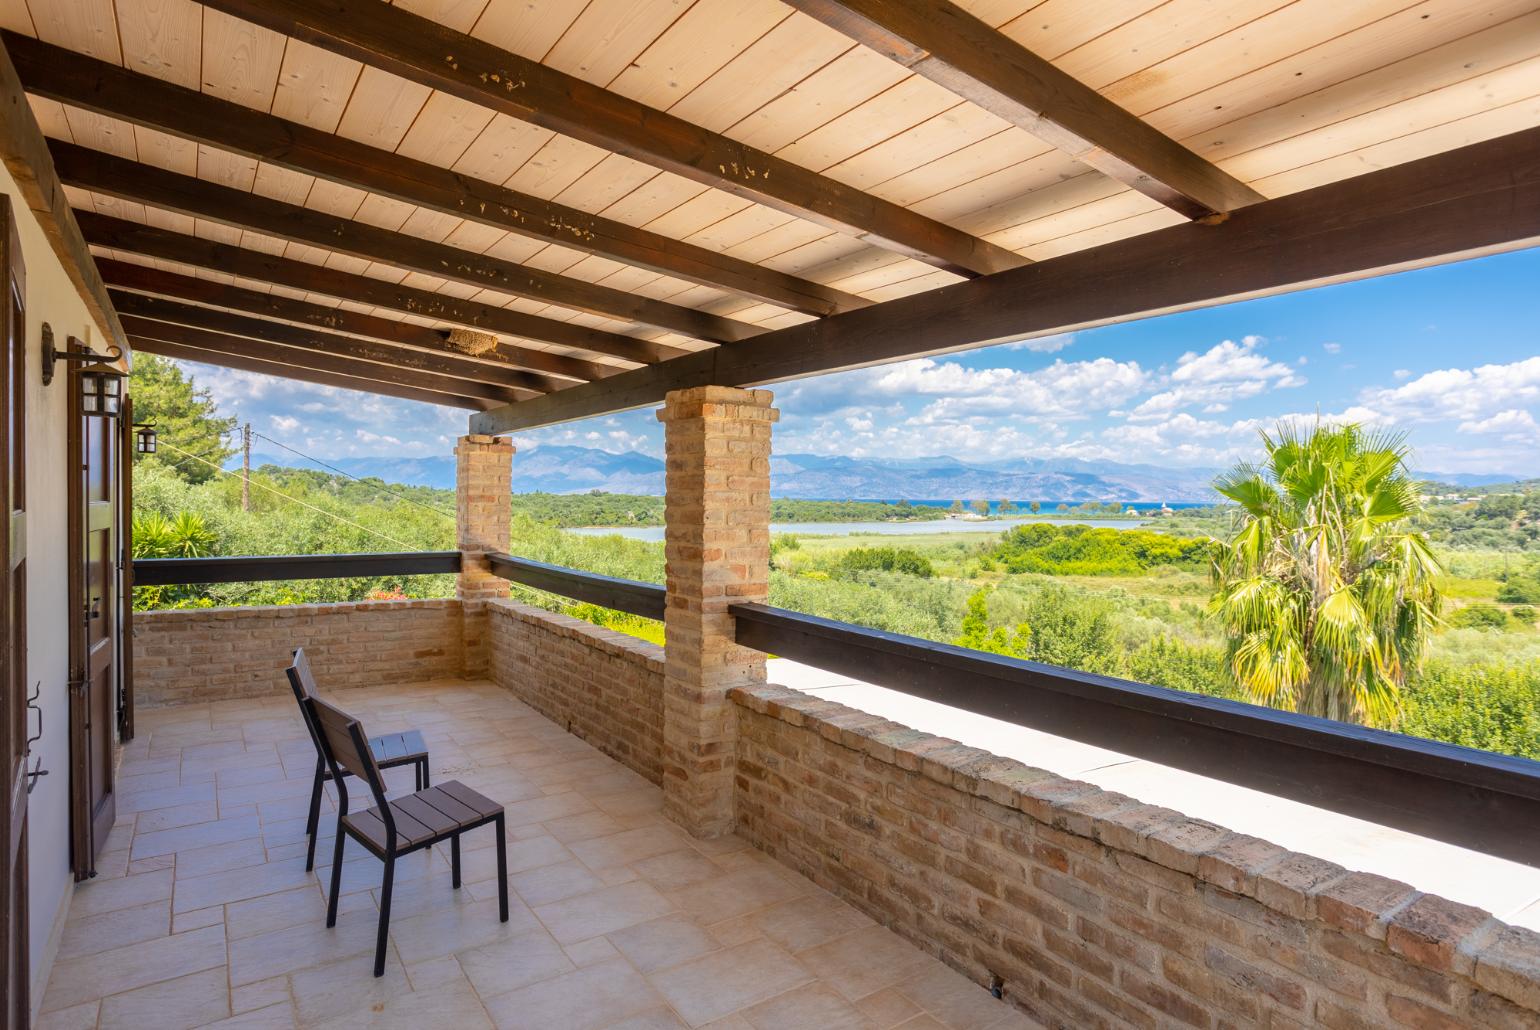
pixel 1515 425
pixel 1225 373
pixel 1402 373
pixel 1043 344
pixel 284 423
pixel 1467 394
pixel 1332 348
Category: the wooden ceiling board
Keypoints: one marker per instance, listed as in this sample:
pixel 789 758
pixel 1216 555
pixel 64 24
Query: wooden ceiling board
pixel 240 60
pixel 609 34
pixel 382 108
pixel 163 38
pixel 695 47
pixel 164 150
pixel 85 26
pixel 528 28
pixel 443 129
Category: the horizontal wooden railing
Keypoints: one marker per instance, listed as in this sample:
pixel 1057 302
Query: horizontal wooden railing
pixel 1462 796
pixel 625 595
pixel 155 572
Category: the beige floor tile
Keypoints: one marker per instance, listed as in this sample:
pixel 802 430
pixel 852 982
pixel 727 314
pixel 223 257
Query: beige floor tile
pixel 594 998
pixel 249 997
pixel 325 992
pixel 952 998
pixel 219 857
pixel 129 802
pixel 150 865
pixel 603 911
pixel 661 943
pixel 726 981
pixel 97 896
pixel 505 966
pixel 235 885
pixel 275 912
pixel 115 929
pixel 808 921
pixel 76 1017
pixel 179 1004
pixel 573 828
pixel 454 1006
pixel 654 1019
pixel 299 947
pixel 813 1005
pixel 592 951
pixel 867 960
pixel 134 965
pixel 450 929
pixel 201 835
pixel 736 893
pixel 197 919
pixel 177 815
pixel 629 846
pixel 541 809
pixel 888 1007
pixel 279 1016
pixel 553 882
pixel 676 869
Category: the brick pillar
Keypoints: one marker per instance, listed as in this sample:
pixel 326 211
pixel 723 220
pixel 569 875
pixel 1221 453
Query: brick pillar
pixel 483 479
pixel 717 549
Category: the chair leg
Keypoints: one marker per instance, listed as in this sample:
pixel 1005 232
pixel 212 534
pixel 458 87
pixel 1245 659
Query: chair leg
pixel 427 780
pixel 313 824
pixel 417 775
pixel 502 871
pixel 454 858
pixel 384 935
pixel 331 902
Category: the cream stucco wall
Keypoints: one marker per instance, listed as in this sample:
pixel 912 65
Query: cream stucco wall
pixel 51 298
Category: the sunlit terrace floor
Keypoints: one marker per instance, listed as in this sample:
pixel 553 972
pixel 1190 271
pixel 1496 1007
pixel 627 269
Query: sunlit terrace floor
pixel 202 912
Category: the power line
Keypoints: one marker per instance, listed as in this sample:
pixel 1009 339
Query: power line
pixel 383 487
pixel 304 504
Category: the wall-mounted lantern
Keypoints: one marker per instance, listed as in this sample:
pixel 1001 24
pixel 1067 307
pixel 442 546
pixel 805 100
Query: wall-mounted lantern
pixel 144 437
pixel 101 385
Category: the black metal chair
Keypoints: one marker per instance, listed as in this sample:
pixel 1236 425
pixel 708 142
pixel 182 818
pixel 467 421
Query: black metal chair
pixel 394 828
pixel 391 750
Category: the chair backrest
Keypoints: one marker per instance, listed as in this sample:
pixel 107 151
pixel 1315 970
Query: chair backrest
pixel 303 684
pixel 344 746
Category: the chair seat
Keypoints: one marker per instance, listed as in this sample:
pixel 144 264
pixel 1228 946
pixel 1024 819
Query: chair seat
pixel 425 817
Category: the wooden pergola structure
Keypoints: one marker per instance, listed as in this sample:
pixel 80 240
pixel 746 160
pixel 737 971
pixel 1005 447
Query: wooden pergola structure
pixel 626 197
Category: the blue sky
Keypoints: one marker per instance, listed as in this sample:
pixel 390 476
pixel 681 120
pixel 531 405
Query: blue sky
pixel 1449 355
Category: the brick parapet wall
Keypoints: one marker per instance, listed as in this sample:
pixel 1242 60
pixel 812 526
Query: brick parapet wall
pixel 1097 910
pixel 483 481
pixel 603 686
pixel 215 654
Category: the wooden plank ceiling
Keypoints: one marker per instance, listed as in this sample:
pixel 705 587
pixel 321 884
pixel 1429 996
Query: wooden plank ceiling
pixel 326 189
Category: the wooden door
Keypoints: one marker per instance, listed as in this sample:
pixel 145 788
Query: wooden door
pixel 13 627
pixel 94 609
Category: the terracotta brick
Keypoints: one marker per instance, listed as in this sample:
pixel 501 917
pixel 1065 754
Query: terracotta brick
pixel 1363 903
pixel 1509 965
pixel 1430 930
pixel 1409 1013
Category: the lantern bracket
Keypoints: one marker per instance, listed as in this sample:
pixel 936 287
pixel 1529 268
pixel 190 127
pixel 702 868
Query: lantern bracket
pixel 52 355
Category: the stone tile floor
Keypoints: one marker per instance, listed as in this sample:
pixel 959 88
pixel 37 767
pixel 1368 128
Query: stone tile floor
pixel 202 913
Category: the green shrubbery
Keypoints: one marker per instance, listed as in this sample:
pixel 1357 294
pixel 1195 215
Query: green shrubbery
pixel 1493 706
pixel 883 559
pixel 1479 616
pixel 1084 551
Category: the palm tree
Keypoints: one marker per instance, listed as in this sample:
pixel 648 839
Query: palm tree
pixel 1326 592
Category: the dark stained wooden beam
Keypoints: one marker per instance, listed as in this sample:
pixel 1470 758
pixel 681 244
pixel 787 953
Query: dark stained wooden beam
pixel 421 50
pixel 150 241
pixel 1479 199
pixel 314 357
pixel 24 150
pixel 108 89
pixel 144 279
pixel 515 383
pixel 953 49
pixel 227 358
pixel 116 177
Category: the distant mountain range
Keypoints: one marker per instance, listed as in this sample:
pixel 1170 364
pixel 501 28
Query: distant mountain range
pixel 554 468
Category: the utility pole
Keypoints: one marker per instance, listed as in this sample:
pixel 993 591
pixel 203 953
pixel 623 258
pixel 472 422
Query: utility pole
pixel 246 467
